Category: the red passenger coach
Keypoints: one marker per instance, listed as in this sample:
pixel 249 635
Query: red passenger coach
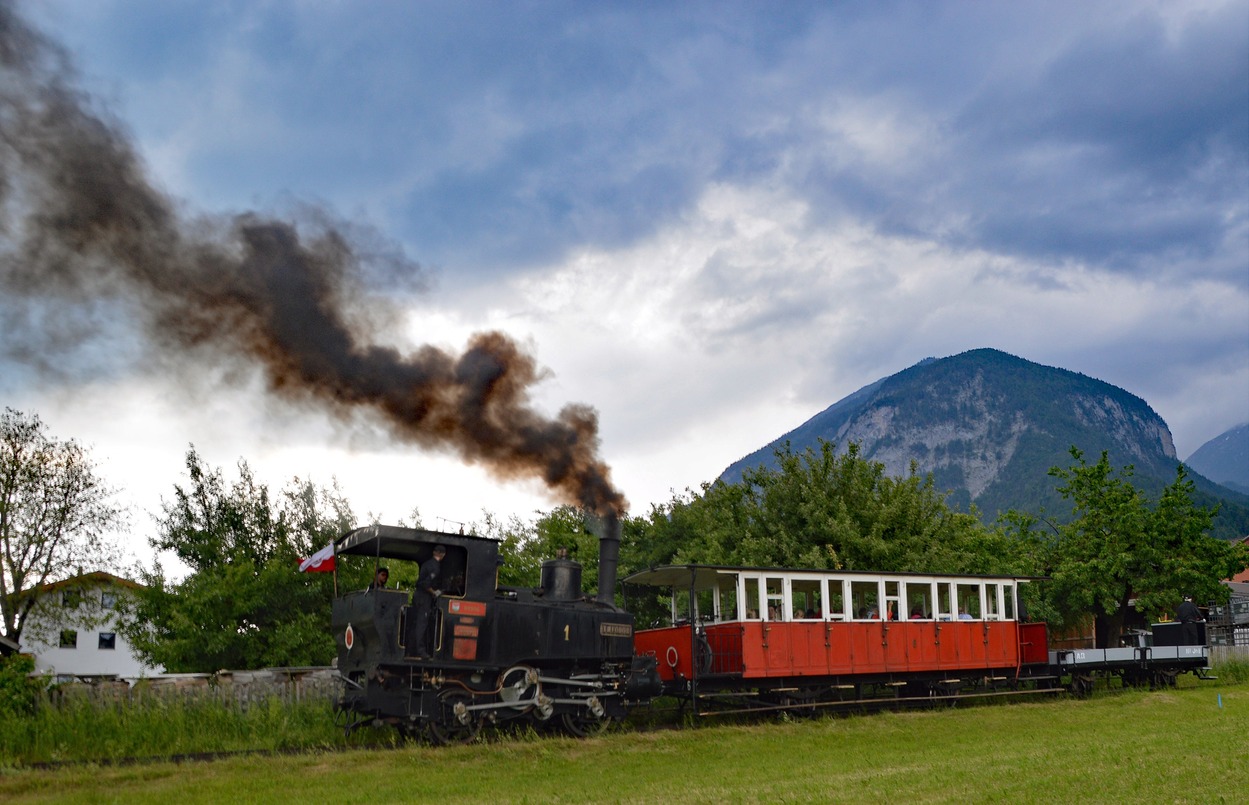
pixel 773 637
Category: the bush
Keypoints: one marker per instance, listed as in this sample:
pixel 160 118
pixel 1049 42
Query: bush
pixel 18 690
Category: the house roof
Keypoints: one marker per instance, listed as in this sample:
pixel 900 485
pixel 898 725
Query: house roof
pixel 98 577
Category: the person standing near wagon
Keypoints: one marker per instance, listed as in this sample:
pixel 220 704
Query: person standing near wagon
pixel 428 588
pixel 1190 616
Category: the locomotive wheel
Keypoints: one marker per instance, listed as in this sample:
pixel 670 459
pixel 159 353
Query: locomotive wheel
pixel 454 724
pixel 584 724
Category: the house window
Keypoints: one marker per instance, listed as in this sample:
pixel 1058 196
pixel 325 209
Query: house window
pixel 69 638
pixel 70 599
pixel 108 641
pixel 108 599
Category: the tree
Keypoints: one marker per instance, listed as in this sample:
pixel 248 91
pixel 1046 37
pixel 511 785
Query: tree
pixel 819 509
pixel 55 514
pixel 1121 551
pixel 244 604
pixel 525 546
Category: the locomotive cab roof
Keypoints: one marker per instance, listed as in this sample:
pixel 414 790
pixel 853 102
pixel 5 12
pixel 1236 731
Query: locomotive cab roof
pixel 411 544
pixel 471 565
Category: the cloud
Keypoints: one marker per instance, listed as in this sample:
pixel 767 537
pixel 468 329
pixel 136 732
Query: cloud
pixel 711 221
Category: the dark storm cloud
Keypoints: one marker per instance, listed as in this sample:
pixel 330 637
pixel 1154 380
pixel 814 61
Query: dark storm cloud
pixel 1101 146
pixel 84 227
pixel 1128 145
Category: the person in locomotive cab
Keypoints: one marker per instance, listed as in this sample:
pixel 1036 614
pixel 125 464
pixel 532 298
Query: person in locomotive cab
pixel 380 579
pixel 1190 616
pixel 428 588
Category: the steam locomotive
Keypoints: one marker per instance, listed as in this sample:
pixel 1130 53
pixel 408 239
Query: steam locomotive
pixel 547 656
pixel 730 639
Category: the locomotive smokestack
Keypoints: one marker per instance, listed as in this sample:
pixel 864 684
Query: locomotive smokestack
pixel 88 239
pixel 608 558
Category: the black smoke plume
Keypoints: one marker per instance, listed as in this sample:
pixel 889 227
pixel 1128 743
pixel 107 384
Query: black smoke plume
pixel 80 222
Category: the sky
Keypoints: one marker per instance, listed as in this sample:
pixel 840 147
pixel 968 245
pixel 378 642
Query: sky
pixel 706 221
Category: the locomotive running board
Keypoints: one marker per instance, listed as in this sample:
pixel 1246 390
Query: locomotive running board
pixel 855 702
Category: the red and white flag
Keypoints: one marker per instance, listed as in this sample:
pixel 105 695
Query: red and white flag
pixel 320 562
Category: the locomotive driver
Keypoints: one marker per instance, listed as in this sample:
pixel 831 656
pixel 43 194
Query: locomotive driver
pixel 428 588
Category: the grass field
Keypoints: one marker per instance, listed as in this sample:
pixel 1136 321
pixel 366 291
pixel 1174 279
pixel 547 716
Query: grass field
pixel 1185 745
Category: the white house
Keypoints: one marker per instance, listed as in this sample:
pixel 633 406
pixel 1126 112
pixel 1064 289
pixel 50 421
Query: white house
pixel 72 630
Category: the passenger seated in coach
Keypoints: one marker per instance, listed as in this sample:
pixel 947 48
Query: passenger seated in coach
pixel 752 614
pixel 917 613
pixel 810 613
pixel 963 616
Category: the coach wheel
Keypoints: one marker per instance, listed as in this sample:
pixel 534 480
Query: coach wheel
pixel 1081 684
pixel 1167 677
pixel 454 723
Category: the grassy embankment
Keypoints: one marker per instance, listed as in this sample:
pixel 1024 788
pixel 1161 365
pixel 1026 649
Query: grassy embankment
pixel 1183 745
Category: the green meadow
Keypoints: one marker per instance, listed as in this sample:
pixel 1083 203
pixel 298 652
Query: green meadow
pixel 1188 744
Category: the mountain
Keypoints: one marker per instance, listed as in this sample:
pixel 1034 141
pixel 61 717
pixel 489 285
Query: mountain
pixel 989 426
pixel 1225 459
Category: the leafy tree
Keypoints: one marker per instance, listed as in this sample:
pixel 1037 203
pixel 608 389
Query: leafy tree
pixel 820 510
pixel 244 604
pixel 525 546
pixel 55 513
pixel 1121 550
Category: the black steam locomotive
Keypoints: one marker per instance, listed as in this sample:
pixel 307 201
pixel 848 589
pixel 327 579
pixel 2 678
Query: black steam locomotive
pixel 547 656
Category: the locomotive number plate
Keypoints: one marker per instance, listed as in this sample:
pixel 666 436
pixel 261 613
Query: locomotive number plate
pixel 615 630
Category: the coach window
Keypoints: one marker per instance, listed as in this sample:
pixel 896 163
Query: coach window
pixel 945 599
pixel 969 601
pixel 805 594
pixel 750 595
pixel 893 600
pixel 836 599
pixel 705 604
pixel 992 610
pixel 865 599
pixel 1008 601
pixel 918 601
pixel 774 587
pixel 726 599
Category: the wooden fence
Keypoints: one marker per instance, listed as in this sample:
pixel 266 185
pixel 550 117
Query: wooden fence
pixel 1220 654
pixel 234 688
